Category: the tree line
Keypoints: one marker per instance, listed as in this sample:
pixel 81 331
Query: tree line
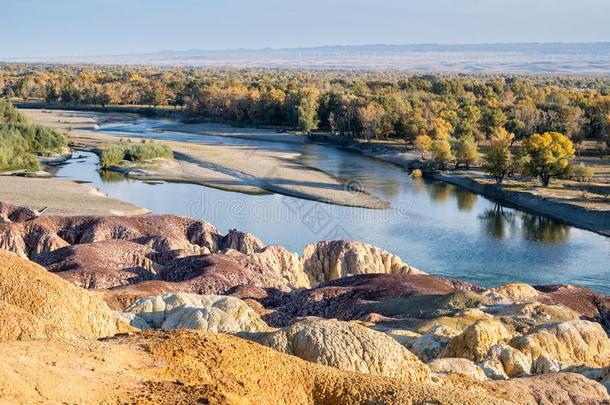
pixel 445 116
pixel 371 105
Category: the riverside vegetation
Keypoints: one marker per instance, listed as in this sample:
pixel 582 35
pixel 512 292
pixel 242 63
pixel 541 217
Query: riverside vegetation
pixel 134 152
pixel 376 105
pixel 22 141
pixel 450 117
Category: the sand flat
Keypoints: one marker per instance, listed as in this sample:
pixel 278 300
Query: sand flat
pixel 233 168
pixel 62 197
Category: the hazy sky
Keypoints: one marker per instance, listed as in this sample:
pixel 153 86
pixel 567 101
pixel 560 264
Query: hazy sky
pixel 94 27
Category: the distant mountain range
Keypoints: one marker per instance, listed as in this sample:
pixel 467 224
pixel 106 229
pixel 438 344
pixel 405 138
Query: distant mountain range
pixel 558 58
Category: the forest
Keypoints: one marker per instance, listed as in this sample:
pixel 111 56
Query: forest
pixel 448 116
pixel 376 105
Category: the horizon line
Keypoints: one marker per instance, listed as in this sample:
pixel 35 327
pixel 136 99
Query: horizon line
pixel 309 47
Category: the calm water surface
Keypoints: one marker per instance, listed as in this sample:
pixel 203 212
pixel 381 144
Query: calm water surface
pixel 434 226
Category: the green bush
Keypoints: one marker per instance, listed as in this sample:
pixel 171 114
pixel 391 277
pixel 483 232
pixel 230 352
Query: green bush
pixel 38 139
pixel 14 153
pixel 21 141
pixel 148 151
pixel 138 153
pixel 8 113
pixel 112 155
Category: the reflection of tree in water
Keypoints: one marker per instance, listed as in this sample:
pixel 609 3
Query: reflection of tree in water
pixel 109 176
pixel 389 187
pixel 440 192
pixel 497 221
pixel 465 199
pixel 419 184
pixel 542 229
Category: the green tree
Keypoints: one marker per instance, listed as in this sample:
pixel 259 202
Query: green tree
pixel 498 160
pixel 547 155
pixel 518 128
pixel 492 119
pixel 466 152
pixel 442 153
pixel 51 95
pixel 307 109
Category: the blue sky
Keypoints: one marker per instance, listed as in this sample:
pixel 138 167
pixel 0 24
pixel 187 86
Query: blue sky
pixel 94 27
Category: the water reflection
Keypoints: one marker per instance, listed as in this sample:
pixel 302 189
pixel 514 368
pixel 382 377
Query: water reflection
pixel 108 176
pixel 497 221
pixel 501 223
pixel 465 199
pixel 440 192
pixel 389 189
pixel 542 229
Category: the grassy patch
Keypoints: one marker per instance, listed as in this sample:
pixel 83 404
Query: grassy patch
pixel 138 153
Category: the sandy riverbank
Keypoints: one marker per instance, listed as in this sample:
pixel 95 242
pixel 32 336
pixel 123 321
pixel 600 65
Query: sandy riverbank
pixel 267 135
pixel 62 197
pixel 583 206
pixel 233 168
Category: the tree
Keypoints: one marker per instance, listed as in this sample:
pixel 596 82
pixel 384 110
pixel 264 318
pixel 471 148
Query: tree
pixel 548 155
pixel 441 129
pixel 606 131
pixel 409 126
pixel 517 128
pixel 498 160
pixel 307 109
pixel 423 143
pixel 51 95
pixel 492 119
pixel 371 116
pixel 332 122
pixel 466 151
pixel 441 152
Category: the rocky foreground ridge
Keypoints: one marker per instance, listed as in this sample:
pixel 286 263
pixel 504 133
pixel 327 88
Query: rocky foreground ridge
pixel 166 309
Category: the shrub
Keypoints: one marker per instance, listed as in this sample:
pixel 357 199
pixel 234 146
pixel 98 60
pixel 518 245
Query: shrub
pixel 416 173
pixel 21 141
pixel 142 152
pixel 148 151
pixel 8 113
pixel 112 155
pixel 13 152
pixel 583 173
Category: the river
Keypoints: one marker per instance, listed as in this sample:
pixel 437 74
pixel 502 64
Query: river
pixel 439 228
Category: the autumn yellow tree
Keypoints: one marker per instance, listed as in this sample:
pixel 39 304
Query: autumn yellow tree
pixel 371 117
pixel 423 143
pixel 498 160
pixel 547 155
pixel 442 153
pixel 441 129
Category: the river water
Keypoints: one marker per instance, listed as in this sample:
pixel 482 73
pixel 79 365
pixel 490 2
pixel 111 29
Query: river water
pixel 439 228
